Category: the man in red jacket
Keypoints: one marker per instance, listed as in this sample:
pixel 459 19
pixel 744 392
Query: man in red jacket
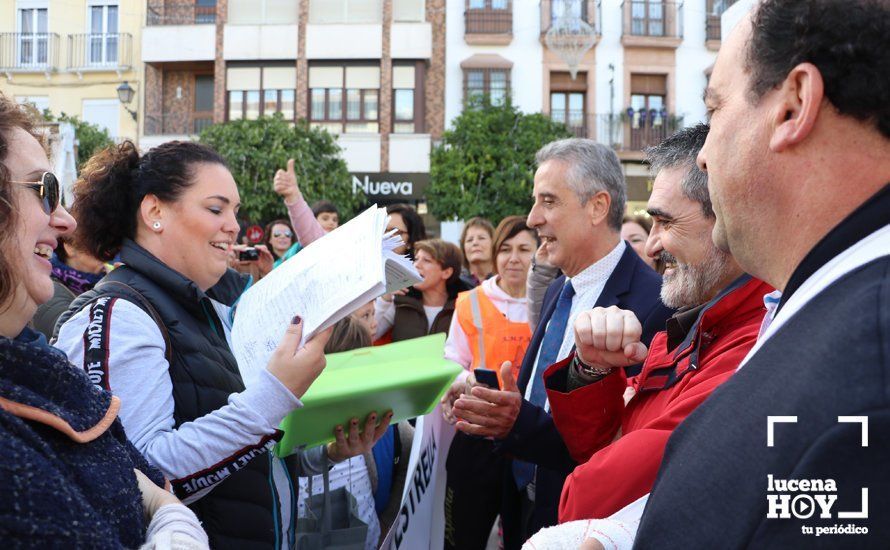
pixel 619 447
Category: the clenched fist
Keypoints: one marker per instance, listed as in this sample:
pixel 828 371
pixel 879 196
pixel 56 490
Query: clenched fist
pixel 609 337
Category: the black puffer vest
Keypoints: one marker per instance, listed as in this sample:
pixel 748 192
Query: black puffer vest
pixel 240 511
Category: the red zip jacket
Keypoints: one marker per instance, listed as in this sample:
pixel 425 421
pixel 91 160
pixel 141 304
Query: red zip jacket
pixel 683 367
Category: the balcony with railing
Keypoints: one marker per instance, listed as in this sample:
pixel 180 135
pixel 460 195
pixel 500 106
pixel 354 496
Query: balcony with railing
pixel 176 124
pixel 712 22
pixel 180 12
pixel 625 133
pixel 589 11
pixel 100 52
pixel 488 22
pixel 29 52
pixel 652 23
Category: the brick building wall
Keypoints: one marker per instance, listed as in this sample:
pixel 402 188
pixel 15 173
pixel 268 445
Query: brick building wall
pixel 435 82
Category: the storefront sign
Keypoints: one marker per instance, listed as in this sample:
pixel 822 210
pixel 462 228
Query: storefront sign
pixel 391 186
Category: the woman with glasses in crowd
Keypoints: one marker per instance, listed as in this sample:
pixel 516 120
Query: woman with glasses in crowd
pixel 160 339
pixel 279 239
pixel 69 475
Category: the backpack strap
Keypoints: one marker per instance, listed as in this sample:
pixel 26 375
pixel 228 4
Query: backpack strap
pixel 119 290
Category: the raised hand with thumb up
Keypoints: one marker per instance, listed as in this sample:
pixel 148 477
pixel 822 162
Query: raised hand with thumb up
pixel 285 184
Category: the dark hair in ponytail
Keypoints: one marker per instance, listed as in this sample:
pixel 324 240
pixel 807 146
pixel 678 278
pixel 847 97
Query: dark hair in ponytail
pixel 112 184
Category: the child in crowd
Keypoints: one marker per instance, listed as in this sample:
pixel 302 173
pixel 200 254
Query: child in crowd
pixel 327 215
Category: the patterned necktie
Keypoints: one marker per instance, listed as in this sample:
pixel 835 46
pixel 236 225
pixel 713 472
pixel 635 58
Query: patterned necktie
pixel 523 472
pixel 552 342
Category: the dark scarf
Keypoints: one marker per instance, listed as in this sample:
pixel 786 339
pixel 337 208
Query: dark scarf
pixel 85 490
pixel 75 280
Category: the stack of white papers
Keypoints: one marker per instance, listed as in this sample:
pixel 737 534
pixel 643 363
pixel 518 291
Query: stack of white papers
pixel 325 282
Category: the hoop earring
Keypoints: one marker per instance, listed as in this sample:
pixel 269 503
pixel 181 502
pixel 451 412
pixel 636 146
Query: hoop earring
pixel 156 225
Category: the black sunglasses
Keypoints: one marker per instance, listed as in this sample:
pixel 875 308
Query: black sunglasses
pixel 47 189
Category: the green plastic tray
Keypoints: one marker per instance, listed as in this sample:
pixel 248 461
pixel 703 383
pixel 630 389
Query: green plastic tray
pixel 407 377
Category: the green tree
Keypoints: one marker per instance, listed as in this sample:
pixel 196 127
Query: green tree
pixel 90 137
pixel 255 149
pixel 486 162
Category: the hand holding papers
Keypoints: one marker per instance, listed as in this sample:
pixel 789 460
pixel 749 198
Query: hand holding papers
pixel 324 283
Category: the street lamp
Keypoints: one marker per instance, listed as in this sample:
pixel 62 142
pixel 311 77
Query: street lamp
pixel 125 94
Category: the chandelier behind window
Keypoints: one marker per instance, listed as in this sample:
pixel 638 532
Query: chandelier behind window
pixel 569 35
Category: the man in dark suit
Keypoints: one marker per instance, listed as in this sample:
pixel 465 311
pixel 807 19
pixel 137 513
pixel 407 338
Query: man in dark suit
pixel 793 451
pixel 579 197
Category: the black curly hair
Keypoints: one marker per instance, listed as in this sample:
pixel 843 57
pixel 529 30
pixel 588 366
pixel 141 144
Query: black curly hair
pixel 845 39
pixel 112 184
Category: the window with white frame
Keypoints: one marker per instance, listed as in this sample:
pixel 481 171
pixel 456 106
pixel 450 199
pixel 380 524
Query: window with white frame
pixel 263 12
pixel 490 84
pixel 102 43
pixel 405 119
pixel 344 98
pixel 407 10
pixel 345 11
pixel 33 37
pixel 261 91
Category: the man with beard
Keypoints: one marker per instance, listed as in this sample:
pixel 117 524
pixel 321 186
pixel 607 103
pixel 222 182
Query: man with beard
pixel 618 447
pixel 798 161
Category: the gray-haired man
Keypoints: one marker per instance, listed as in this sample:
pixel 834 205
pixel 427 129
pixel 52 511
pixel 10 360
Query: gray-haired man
pixel 579 197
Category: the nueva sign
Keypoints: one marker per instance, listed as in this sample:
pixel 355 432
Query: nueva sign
pixel 372 188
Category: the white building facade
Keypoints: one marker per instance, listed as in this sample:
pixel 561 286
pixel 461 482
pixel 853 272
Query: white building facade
pixel 642 80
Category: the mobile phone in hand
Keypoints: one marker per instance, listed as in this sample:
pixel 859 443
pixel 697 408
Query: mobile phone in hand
pixel 487 377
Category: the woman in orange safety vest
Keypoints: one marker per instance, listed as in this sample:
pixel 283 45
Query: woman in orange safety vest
pixel 490 326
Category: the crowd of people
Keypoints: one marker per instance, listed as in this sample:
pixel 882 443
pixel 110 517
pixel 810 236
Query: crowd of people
pixel 621 374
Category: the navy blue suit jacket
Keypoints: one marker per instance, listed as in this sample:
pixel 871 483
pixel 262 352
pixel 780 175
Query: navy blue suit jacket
pixel 534 438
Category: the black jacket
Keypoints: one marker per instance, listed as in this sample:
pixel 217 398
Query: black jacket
pixel 66 467
pixel 830 359
pixel 240 512
pixel 410 318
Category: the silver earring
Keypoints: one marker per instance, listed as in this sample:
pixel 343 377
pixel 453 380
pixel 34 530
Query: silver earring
pixel 156 225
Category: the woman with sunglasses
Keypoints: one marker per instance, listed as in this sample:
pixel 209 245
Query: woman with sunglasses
pixel 69 476
pixel 172 216
pixel 279 239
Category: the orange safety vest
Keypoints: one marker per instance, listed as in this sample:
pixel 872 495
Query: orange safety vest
pixel 492 337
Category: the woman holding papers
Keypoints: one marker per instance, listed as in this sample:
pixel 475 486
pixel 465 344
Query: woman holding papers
pixel 408 224
pixel 157 334
pixel 69 477
pixel 490 326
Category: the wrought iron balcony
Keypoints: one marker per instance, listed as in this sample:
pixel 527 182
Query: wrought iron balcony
pixel 621 132
pixel 495 18
pixel 29 52
pixel 109 51
pixel 180 12
pixel 712 19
